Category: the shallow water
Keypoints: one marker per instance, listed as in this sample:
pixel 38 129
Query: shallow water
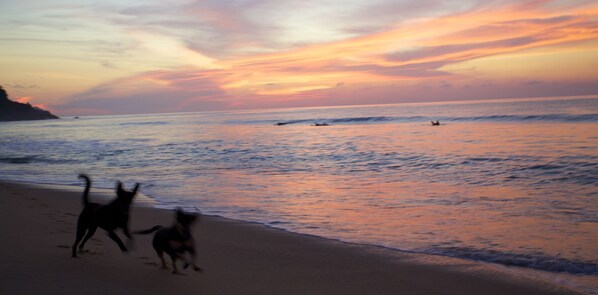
pixel 514 183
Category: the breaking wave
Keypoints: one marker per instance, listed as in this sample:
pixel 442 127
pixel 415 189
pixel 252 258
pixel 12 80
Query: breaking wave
pixel 537 261
pixel 562 118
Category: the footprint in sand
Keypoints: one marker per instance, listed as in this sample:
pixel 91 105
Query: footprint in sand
pixel 95 252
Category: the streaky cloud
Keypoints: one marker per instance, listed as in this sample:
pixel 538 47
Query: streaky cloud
pixel 196 55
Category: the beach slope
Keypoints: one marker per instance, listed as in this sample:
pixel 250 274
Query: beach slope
pixel 38 227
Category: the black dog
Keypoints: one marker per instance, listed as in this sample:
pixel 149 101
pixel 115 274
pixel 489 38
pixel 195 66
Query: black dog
pixel 175 240
pixel 109 217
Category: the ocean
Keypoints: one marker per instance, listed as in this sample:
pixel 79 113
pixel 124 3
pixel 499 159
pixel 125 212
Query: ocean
pixel 512 183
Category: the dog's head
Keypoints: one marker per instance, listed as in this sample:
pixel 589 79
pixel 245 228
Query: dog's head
pixel 185 219
pixel 124 195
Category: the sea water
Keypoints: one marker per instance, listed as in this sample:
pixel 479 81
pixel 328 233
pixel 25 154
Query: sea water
pixel 506 182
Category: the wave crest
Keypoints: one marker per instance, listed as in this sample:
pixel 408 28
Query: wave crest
pixel 535 261
pixel 565 118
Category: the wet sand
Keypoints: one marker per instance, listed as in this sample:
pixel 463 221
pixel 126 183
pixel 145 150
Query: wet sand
pixel 38 228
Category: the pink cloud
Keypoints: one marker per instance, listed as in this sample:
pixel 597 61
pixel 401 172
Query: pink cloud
pixel 403 63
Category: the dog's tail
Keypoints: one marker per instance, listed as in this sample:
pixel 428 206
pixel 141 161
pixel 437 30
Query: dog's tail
pixel 87 187
pixel 148 231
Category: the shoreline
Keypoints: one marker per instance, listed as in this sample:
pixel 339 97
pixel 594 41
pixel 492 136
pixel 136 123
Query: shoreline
pixel 237 256
pixel 105 194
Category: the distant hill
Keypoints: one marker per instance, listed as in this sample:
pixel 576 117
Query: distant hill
pixel 16 111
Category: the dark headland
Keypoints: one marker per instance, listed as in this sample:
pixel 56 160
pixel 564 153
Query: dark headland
pixel 16 111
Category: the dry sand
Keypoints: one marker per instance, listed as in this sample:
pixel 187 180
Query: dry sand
pixel 38 228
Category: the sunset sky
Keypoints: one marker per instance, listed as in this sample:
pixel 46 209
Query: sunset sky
pixel 77 57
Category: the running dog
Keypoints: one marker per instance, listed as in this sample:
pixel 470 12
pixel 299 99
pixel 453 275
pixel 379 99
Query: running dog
pixel 175 240
pixel 108 217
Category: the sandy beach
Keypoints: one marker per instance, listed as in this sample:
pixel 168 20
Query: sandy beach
pixel 38 228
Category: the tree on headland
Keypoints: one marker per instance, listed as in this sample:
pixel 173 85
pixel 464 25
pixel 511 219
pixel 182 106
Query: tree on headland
pixel 3 94
pixel 16 111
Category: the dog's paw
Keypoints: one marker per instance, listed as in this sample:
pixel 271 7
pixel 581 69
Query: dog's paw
pixel 197 269
pixel 185 265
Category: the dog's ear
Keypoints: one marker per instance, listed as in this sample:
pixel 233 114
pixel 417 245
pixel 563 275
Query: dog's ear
pixel 136 188
pixel 119 186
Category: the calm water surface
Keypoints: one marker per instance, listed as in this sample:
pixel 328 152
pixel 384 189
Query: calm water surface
pixel 514 183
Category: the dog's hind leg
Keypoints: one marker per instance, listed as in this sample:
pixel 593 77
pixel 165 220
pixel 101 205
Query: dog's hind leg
pixel 115 238
pixel 90 233
pixel 81 229
pixel 173 257
pixel 161 255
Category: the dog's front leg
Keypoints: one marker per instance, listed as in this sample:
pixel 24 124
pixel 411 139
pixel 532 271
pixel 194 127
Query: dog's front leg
pixel 115 238
pixel 127 232
pixel 191 249
pixel 195 267
pixel 130 241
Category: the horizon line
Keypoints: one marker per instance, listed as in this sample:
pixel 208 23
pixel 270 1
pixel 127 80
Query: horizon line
pixel 448 102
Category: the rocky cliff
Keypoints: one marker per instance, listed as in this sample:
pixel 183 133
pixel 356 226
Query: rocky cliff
pixel 15 111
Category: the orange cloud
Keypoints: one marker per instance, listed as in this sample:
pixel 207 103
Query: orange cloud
pixel 23 99
pixel 417 50
pixel 28 99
